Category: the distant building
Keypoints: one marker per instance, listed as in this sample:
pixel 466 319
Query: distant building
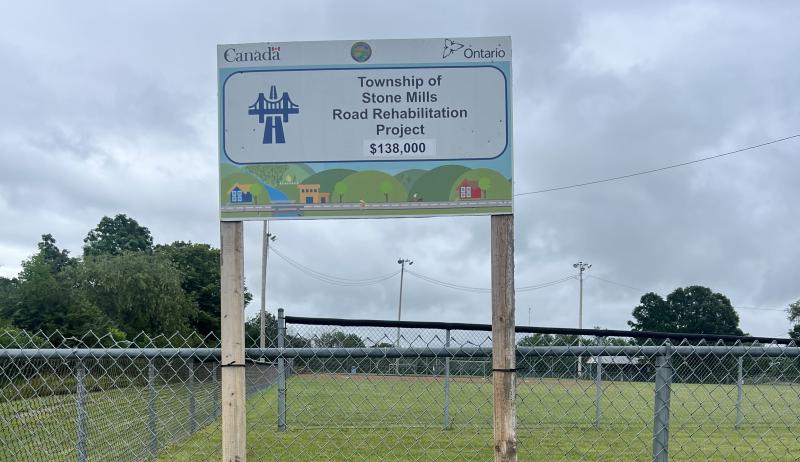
pixel 309 194
pixel 469 190
pixel 240 194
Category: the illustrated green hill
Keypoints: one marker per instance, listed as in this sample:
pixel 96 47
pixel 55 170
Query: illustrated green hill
pixel 436 184
pixel 372 186
pixel 260 195
pixel 275 175
pixel 492 183
pixel 228 169
pixel 408 177
pixel 327 179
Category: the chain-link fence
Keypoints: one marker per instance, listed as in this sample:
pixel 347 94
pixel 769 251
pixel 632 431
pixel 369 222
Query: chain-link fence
pixel 377 390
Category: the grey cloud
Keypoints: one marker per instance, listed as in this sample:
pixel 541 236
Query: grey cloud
pixel 130 117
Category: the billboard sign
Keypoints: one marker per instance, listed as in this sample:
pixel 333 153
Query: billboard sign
pixel 378 128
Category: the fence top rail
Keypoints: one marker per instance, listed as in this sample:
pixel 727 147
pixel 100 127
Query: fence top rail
pixel 394 352
pixel 673 336
pixel 98 353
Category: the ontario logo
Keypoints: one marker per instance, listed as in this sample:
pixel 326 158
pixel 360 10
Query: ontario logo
pixel 451 46
pixel 360 52
pixel 273 112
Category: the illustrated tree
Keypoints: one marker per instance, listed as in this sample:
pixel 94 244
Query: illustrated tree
pixel 386 189
pixel 113 236
pixel 693 309
pixel 485 184
pixel 340 189
pixel 794 316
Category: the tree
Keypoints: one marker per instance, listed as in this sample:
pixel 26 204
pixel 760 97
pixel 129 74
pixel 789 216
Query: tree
pixel 7 290
pixel 139 292
pixel 340 189
pixel 485 184
pixel 113 236
pixel 199 266
pixel 693 309
pixel 548 340
pixel 339 339
pixel 49 301
pixel 252 330
pixel 794 316
pixel 56 258
pixel 386 189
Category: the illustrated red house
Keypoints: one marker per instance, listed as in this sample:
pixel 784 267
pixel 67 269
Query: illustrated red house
pixel 468 190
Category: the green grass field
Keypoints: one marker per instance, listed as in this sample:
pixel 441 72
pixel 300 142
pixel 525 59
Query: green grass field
pixel 45 429
pixel 384 418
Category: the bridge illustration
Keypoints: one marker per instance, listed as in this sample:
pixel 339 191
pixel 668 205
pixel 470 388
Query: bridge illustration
pixel 273 112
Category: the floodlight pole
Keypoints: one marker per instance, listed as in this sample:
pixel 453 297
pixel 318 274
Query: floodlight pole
pixel 402 262
pixel 581 266
pixel 265 240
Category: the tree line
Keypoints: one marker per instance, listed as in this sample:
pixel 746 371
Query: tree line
pixel 123 285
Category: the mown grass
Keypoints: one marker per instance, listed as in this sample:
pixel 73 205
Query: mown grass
pixel 341 418
pixel 45 428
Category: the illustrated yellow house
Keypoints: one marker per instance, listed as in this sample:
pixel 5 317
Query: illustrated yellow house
pixel 309 194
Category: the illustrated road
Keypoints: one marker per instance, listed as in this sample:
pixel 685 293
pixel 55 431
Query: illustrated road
pixel 295 207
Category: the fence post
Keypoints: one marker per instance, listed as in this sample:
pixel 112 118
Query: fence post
pixel 447 383
pixel 81 403
pixel 661 406
pixel 739 392
pixel 503 340
pixel 281 373
pixel 598 391
pixel 232 364
pixel 216 391
pixel 151 406
pixel 192 399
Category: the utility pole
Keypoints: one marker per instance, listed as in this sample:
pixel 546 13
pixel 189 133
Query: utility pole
pixel 402 262
pixel 581 266
pixel 265 240
pixel 529 315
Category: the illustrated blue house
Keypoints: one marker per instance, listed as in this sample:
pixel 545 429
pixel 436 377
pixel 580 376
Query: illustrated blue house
pixel 240 194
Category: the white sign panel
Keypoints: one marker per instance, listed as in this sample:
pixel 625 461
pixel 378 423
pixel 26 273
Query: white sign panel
pixel 341 113
pixel 355 128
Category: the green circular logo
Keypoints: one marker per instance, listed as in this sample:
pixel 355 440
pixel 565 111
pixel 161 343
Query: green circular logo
pixel 361 51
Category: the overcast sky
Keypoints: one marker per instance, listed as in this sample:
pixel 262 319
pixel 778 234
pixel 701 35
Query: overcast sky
pixel 111 107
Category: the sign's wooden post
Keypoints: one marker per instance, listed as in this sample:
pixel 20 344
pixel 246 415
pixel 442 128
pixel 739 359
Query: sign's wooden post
pixel 503 345
pixel 234 434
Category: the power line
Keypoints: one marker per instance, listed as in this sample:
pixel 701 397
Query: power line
pixel 448 284
pixel 484 290
pixel 747 308
pixel 545 284
pixel 333 280
pixel 350 282
pixel 615 283
pixel 660 169
pixel 757 308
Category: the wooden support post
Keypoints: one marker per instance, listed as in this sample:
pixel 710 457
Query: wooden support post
pixel 234 434
pixel 503 344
